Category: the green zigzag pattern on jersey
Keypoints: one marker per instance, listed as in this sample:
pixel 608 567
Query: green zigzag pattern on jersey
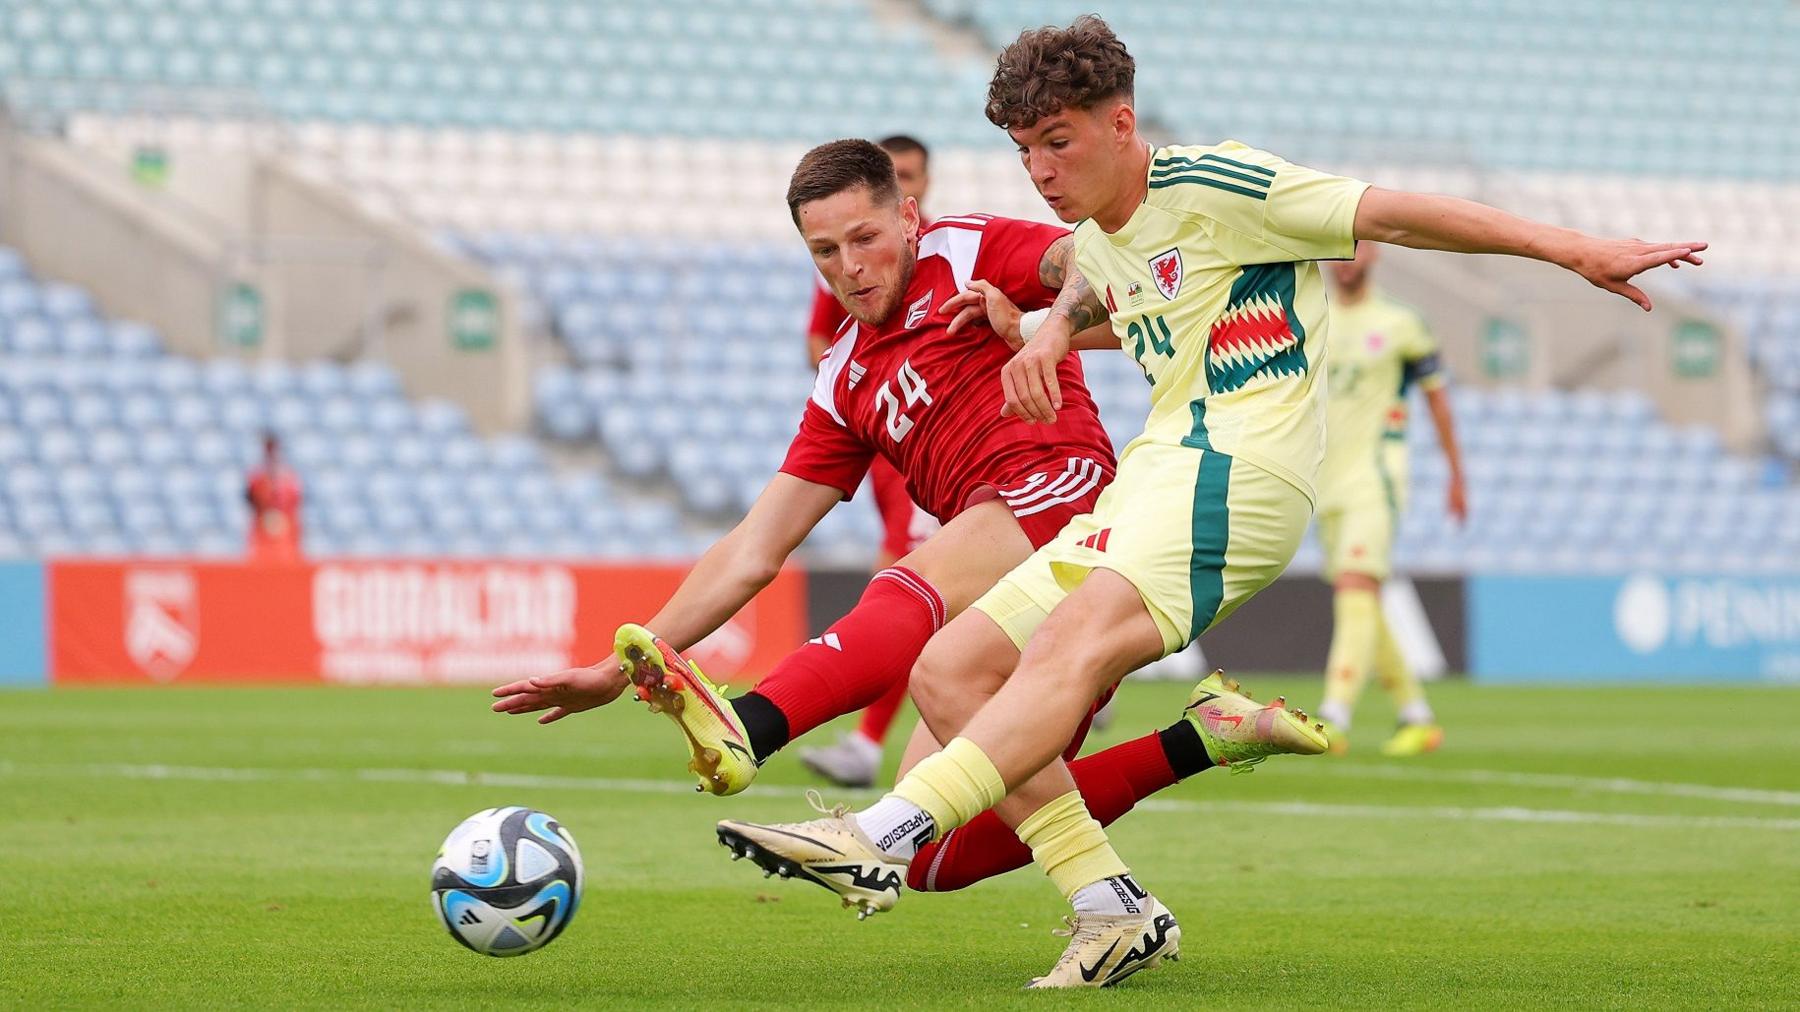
pixel 1259 330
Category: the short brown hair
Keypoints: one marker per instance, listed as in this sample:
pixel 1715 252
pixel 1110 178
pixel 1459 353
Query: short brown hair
pixel 1047 70
pixel 836 166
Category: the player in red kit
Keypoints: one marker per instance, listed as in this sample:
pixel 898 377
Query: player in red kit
pixel 855 758
pixel 912 377
pixel 273 492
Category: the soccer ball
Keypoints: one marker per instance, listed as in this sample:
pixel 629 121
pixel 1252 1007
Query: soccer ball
pixel 507 881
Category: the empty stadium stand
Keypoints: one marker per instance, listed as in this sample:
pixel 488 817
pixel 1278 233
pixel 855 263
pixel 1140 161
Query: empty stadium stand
pixel 621 165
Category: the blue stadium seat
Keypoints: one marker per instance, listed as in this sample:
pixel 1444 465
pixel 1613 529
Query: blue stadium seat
pixel 83 337
pixel 514 454
pixel 144 411
pixel 389 418
pixel 194 413
pixel 223 377
pixel 160 448
pixel 441 418
pixel 59 447
pixel 129 340
pixel 322 380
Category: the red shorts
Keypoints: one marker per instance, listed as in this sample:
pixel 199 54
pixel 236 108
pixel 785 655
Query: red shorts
pixel 1045 495
pixel 1087 724
pixel 904 525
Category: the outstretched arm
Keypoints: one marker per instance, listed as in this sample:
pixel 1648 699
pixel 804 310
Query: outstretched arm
pixel 724 579
pixel 1436 222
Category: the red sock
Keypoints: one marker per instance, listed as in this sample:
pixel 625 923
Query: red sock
pixel 1111 782
pixel 879 715
pixel 862 657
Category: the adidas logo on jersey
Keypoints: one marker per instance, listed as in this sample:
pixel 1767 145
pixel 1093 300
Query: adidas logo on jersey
pixel 1097 540
pixel 827 640
pixel 857 371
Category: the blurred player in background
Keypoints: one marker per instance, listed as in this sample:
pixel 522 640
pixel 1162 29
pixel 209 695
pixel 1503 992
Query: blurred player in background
pixel 1201 260
pixel 1380 348
pixel 855 758
pixel 273 493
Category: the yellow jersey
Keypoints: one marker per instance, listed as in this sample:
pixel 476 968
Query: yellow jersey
pixel 1212 289
pixel 1379 348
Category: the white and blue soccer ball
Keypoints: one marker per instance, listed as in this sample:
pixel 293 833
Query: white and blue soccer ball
pixel 507 881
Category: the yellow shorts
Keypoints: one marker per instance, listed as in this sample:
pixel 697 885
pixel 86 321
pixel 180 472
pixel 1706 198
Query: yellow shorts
pixel 1195 531
pixel 1358 536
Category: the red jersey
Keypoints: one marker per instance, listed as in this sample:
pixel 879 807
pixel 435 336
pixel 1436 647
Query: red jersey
pixel 930 402
pixel 274 497
pixel 828 314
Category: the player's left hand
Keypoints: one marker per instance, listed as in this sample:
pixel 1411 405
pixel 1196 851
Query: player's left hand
pixel 982 300
pixel 1457 500
pixel 1612 263
pixel 563 693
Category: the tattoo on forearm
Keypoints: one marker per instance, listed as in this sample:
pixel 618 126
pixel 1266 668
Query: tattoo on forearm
pixel 1054 267
pixel 1078 303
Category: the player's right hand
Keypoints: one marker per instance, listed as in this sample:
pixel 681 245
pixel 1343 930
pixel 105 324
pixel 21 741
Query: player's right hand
pixel 982 301
pixel 1029 378
pixel 566 692
pixel 1457 499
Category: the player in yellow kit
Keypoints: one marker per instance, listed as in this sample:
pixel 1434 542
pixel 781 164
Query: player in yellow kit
pixel 1380 348
pixel 1201 260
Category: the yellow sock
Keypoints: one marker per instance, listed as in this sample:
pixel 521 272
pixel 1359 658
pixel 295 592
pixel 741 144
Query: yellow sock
pixel 1390 666
pixel 1356 620
pixel 1398 679
pixel 953 786
pixel 1070 845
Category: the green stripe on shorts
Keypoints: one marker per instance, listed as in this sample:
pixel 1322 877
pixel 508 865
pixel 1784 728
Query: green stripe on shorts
pixel 1212 532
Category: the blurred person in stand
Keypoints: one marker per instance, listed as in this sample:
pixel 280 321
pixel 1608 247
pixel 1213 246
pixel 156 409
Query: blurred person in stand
pixel 273 494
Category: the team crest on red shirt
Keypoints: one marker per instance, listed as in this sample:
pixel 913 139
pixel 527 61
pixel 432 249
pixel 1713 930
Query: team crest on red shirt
pixel 1165 270
pixel 916 313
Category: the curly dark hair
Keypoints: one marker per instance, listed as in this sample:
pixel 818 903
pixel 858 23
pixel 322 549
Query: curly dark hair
pixel 1049 69
pixel 836 166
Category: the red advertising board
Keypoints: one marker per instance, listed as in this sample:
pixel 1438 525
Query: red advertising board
pixel 361 622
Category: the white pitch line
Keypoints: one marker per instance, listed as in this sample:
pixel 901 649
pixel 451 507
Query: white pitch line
pixel 461 778
pixel 1453 813
pixel 1559 781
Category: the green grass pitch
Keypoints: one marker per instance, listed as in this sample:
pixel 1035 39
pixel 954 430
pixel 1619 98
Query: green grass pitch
pixel 1629 848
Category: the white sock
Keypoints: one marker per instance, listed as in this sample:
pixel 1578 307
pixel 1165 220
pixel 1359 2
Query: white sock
pixel 897 826
pixel 1334 713
pixel 1417 712
pixel 1111 897
pixel 866 747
